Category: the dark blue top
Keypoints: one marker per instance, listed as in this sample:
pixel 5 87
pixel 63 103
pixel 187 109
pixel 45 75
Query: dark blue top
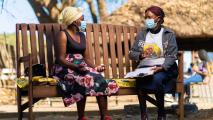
pixel 73 47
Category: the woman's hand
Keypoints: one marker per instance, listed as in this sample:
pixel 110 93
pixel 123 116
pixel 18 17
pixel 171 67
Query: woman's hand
pixel 80 69
pixel 100 68
pixel 145 54
pixel 157 69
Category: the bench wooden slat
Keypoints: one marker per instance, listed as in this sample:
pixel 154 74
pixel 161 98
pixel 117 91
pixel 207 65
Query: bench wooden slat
pixel 56 30
pixel 105 49
pixel 33 43
pixel 119 51
pixel 126 48
pixel 132 39
pixel 112 50
pixel 18 69
pixel 51 91
pixel 41 43
pixel 18 49
pixel 24 41
pixel 49 39
pixel 89 39
pixel 97 44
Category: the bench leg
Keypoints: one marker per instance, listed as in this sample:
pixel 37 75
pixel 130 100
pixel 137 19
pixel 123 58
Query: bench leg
pixel 20 112
pixel 30 104
pixel 181 106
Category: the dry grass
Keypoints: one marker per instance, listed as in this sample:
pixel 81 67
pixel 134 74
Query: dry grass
pixel 185 17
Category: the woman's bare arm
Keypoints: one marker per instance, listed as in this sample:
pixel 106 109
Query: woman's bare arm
pixel 60 51
pixel 196 69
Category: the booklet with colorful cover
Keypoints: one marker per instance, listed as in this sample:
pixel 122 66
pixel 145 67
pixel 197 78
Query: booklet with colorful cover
pixel 140 72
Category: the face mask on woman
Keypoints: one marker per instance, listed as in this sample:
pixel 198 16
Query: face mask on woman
pixel 150 23
pixel 80 25
pixel 83 25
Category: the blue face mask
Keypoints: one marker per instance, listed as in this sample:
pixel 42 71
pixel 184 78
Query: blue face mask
pixel 150 23
pixel 83 26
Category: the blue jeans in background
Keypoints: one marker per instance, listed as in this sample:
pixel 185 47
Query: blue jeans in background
pixel 193 79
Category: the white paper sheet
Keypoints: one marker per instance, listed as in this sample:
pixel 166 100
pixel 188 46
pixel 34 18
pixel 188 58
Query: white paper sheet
pixel 146 71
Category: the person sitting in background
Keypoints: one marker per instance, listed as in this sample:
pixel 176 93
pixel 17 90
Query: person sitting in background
pixel 78 76
pixel 200 71
pixel 190 71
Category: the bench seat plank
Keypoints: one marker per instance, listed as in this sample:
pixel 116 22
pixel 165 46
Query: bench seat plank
pixel 51 91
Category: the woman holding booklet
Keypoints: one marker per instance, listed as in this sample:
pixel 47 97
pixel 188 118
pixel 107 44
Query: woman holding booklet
pixel 155 46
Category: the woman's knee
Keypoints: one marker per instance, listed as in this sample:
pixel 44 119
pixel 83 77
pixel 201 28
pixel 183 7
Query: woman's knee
pixel 159 78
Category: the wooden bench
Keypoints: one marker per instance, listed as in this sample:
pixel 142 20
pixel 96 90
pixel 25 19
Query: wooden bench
pixel 108 44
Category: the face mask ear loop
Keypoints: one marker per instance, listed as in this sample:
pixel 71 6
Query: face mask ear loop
pixel 83 25
pixel 158 21
pixel 76 26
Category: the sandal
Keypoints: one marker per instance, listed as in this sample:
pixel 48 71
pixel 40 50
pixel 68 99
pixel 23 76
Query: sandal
pixel 107 118
pixel 82 118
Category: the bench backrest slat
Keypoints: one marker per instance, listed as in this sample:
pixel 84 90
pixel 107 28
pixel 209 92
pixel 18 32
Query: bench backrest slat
pixel 40 29
pixel 24 35
pixel 97 44
pixel 105 49
pixel 89 39
pixel 132 39
pixel 49 46
pixel 118 31
pixel 18 50
pixel 112 50
pixel 126 46
pixel 32 28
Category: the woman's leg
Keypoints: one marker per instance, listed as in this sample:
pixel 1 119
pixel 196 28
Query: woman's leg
pixel 142 101
pixel 102 104
pixel 158 80
pixel 159 95
pixel 81 107
pixel 193 79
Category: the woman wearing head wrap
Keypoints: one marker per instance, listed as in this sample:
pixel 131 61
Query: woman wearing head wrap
pixel 155 46
pixel 78 77
pixel 200 69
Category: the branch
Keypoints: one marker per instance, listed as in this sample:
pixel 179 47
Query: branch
pixel 92 9
pixel 102 9
pixel 42 16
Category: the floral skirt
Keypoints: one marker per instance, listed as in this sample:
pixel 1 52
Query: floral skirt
pixel 77 85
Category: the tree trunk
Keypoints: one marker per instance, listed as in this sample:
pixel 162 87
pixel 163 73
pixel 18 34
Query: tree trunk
pixel 92 9
pixel 102 9
pixel 51 7
pixel 41 15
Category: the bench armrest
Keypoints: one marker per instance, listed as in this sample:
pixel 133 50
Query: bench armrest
pixel 24 58
pixel 28 59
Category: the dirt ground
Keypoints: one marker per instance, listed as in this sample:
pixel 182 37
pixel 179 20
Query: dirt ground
pixel 201 115
pixel 58 112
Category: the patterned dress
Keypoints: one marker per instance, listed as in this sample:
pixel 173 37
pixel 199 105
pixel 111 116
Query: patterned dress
pixel 77 85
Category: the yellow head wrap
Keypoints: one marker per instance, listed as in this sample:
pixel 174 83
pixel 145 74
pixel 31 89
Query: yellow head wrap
pixel 69 15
